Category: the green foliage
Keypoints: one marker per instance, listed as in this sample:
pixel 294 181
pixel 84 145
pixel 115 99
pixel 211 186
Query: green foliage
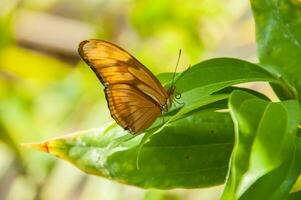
pixel 190 146
pixel 177 21
pixel 6 14
pixel 215 74
pixel 190 136
pixel 278 36
pixel 267 151
pixel 199 155
pixel 34 103
pixel 294 196
pixel 160 195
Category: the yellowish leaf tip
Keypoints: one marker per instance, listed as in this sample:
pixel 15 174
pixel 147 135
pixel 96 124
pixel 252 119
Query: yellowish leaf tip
pixel 37 146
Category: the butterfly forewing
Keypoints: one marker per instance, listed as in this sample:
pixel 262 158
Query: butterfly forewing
pixel 135 96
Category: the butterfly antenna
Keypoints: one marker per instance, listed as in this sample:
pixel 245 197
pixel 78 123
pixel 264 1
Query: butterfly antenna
pixel 174 74
pixel 182 74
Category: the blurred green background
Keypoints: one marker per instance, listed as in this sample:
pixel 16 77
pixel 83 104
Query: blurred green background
pixel 47 91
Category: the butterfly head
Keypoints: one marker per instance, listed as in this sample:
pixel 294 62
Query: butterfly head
pixel 171 95
pixel 171 90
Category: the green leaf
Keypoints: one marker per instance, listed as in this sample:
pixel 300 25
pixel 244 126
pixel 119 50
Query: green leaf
pixel 278 183
pixel 196 148
pixel 266 146
pixel 294 196
pixel 278 37
pixel 212 75
pixel 215 74
pixel 197 83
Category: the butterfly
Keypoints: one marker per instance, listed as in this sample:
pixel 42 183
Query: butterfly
pixel 134 95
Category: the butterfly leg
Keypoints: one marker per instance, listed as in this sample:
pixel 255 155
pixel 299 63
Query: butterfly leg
pixel 163 119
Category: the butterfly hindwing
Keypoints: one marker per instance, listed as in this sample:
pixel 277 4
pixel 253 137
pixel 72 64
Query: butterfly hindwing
pixel 130 108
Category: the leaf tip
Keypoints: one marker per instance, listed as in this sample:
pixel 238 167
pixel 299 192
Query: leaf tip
pixel 43 146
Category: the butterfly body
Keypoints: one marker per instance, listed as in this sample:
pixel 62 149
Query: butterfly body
pixel 134 95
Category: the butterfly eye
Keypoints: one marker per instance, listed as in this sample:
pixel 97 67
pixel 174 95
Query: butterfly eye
pixel 178 96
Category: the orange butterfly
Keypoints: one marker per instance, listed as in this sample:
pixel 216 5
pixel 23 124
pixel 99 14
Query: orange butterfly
pixel 135 96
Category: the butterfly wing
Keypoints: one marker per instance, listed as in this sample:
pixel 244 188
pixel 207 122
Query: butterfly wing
pixel 130 108
pixel 135 96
